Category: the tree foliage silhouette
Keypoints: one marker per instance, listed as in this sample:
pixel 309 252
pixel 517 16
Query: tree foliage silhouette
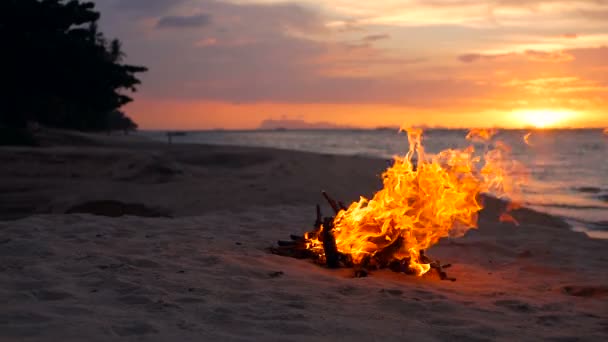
pixel 57 69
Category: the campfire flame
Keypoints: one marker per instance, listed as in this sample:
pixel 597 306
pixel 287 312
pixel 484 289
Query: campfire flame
pixel 424 198
pixel 527 138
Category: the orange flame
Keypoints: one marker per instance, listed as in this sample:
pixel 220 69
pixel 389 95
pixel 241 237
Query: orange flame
pixel 424 198
pixel 527 138
pixel 481 134
pixel 606 131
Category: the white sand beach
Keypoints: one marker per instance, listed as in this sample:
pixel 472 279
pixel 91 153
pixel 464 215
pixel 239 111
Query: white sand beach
pixel 179 254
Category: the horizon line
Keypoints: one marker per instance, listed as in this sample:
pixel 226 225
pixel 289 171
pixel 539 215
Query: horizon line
pixel 381 128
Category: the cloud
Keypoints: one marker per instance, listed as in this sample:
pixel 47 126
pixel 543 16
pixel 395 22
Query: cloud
pixel 284 52
pixel 529 55
pixel 193 21
pixel 548 56
pixel 287 123
pixel 144 7
pixel 375 37
pixel 469 57
pixel 474 57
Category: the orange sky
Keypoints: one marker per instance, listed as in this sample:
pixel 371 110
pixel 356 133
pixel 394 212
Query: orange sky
pixel 233 64
pixel 218 115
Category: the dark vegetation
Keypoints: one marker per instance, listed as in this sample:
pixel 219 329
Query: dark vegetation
pixel 59 71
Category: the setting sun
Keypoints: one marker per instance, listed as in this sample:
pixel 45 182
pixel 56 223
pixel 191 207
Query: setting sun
pixel 544 118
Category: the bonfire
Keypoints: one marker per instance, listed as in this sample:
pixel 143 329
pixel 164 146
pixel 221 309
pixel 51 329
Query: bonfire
pixel 424 198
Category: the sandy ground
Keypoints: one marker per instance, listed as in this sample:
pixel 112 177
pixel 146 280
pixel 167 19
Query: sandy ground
pixel 196 268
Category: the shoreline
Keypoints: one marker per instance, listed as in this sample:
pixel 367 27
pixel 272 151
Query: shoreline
pixel 170 163
pixel 595 229
pixel 180 254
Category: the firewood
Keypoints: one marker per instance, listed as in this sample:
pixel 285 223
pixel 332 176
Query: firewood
pixel 290 251
pixel 296 238
pixel 342 206
pixel 346 260
pixel 423 258
pixel 287 243
pixel 332 258
pixel 361 272
pixel 331 201
pixel 329 244
pixel 383 256
pixel 319 220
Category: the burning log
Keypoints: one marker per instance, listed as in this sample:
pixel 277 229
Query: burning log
pixel 423 199
pixel 329 244
pixel 299 247
pixel 383 257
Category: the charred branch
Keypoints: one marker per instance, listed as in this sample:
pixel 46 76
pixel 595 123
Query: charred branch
pixel 384 256
pixel 297 238
pixel 329 244
pixel 299 247
pixel 332 203
pixel 319 220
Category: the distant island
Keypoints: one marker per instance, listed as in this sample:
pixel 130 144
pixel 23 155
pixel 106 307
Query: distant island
pixel 296 124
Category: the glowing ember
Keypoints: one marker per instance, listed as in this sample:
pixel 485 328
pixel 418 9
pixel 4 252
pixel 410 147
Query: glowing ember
pixel 424 198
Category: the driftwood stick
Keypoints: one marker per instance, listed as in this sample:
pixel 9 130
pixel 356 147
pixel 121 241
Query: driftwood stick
pixel 292 243
pixel 436 265
pixel 290 251
pixel 331 202
pixel 298 247
pixel 423 258
pixel 297 238
pixel 319 220
pixel 329 244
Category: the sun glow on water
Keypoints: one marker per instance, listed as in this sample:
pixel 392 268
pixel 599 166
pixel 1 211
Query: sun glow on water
pixel 544 118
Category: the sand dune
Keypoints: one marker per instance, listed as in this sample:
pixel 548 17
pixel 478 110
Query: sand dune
pixel 204 273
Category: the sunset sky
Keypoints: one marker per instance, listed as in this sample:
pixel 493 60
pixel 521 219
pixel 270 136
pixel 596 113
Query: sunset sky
pixel 458 63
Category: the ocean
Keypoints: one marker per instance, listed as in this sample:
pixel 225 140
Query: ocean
pixel 568 168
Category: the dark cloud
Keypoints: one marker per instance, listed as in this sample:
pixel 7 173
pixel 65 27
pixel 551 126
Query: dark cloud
pixel 530 55
pixel 144 6
pixel 288 123
pixel 184 21
pixel 469 57
pixel 474 57
pixel 375 37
